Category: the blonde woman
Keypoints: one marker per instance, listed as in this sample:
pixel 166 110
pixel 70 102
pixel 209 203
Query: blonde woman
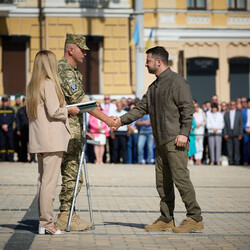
pixel 48 132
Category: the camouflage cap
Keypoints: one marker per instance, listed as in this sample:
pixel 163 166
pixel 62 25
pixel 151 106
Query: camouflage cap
pixel 79 40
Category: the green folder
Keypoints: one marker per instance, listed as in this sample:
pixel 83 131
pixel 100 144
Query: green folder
pixel 84 105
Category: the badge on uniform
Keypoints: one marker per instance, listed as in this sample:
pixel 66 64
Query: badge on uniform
pixel 72 85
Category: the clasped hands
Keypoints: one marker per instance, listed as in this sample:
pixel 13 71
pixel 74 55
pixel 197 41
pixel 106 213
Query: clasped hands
pixel 114 122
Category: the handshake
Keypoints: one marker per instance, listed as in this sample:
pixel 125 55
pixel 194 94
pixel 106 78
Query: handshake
pixel 114 122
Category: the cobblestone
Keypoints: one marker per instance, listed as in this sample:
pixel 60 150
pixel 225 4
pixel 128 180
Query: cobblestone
pixel 124 199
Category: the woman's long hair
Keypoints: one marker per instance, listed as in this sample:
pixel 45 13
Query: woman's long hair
pixel 45 67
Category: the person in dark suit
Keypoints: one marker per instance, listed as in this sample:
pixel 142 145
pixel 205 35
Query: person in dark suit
pixel 22 130
pixel 233 133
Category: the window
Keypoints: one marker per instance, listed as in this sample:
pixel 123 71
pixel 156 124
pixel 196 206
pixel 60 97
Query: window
pixel 237 4
pixel 196 4
pixel 91 66
pixel 14 59
pixel 90 3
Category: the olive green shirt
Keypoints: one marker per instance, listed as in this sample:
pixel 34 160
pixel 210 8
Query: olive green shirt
pixel 168 101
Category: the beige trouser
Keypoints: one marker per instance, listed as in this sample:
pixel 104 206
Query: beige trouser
pixel 48 171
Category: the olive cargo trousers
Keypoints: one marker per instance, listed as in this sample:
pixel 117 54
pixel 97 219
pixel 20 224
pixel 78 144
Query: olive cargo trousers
pixel 171 168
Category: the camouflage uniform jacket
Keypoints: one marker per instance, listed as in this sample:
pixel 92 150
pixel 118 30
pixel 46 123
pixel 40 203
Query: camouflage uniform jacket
pixel 70 79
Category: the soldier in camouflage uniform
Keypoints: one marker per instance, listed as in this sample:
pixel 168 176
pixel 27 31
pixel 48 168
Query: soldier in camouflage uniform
pixel 71 82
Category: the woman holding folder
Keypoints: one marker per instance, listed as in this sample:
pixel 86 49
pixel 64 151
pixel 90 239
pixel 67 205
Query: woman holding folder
pixel 49 132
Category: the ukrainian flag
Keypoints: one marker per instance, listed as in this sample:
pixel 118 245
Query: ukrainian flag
pixel 135 37
pixel 149 39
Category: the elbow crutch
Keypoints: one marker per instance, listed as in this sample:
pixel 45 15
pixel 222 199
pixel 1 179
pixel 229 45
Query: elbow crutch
pixel 82 161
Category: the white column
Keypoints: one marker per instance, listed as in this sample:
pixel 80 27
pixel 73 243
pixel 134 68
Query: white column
pixel 139 64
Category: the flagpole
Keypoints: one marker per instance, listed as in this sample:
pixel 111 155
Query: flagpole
pixel 139 64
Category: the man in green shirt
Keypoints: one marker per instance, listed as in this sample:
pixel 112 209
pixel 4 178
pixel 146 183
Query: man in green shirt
pixel 168 101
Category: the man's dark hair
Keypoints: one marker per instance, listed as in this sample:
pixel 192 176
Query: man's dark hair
pixel 214 105
pixel 159 52
pixel 248 99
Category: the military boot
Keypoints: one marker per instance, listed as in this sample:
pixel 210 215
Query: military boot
pixel 159 226
pixel 76 223
pixel 79 225
pixel 62 220
pixel 189 225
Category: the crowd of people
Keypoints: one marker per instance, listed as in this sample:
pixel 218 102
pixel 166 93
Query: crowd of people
pixel 220 133
pixel 130 144
pixel 14 130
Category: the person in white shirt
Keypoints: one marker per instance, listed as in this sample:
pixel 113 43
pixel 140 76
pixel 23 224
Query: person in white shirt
pixel 215 124
pixel 108 107
pixel 119 138
pixel 200 121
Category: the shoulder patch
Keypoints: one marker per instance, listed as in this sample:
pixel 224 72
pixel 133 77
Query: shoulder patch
pixel 70 74
pixel 69 80
pixel 73 86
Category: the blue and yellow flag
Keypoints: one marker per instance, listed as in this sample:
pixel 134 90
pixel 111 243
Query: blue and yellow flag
pixel 149 39
pixel 135 37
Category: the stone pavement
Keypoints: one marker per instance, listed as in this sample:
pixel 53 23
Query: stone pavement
pixel 124 199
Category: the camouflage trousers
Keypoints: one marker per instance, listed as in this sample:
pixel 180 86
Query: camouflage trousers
pixel 69 170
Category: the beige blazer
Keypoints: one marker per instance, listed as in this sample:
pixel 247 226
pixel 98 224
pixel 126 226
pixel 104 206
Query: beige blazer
pixel 50 131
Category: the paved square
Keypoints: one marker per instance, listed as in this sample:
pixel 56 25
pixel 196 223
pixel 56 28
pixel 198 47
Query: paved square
pixel 124 199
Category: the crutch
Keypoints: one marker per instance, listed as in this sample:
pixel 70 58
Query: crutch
pixel 83 161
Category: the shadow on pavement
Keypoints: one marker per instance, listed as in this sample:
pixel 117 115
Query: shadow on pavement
pixel 136 225
pixel 24 225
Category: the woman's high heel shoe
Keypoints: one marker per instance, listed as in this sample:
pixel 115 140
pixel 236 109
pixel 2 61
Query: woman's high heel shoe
pixel 43 230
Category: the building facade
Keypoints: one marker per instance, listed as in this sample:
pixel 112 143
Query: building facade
pixel 208 42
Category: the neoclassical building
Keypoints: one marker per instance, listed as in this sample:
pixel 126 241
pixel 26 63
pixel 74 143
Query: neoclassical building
pixel 208 42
